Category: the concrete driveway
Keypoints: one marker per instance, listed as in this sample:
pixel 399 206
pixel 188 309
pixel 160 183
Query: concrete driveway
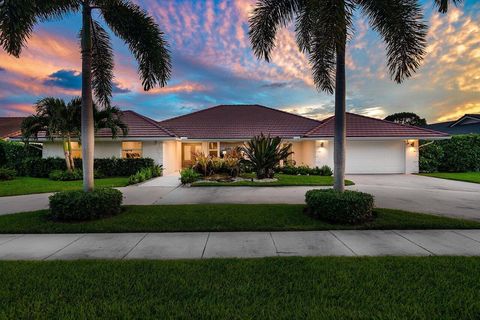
pixel 406 192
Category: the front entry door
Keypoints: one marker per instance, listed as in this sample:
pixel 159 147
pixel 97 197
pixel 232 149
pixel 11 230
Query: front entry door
pixel 188 152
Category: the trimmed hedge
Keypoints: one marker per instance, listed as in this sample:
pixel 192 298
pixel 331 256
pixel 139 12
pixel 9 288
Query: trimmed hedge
pixel 348 207
pixel 458 154
pixel 12 154
pixel 305 170
pixel 81 206
pixel 111 167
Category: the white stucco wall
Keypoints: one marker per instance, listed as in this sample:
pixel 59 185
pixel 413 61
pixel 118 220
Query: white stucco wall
pixel 154 150
pixel 52 150
pixel 172 156
pixel 412 157
pixel 324 153
pixel 304 153
pixel 108 149
pixel 372 157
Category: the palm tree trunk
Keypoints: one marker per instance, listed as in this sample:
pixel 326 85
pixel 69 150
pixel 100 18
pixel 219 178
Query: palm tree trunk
pixel 340 124
pixel 67 155
pixel 70 156
pixel 88 139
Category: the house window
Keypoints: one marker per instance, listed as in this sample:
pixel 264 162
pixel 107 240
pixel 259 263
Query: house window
pixel 132 149
pixel 213 149
pixel 76 149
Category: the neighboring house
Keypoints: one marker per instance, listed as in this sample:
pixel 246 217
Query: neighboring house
pixel 10 126
pixel 467 124
pixel 373 145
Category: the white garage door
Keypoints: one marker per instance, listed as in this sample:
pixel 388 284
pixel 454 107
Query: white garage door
pixel 375 157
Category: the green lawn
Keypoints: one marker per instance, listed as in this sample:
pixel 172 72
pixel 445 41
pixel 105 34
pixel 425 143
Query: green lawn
pixel 460 176
pixel 28 185
pixel 220 217
pixel 270 288
pixel 283 180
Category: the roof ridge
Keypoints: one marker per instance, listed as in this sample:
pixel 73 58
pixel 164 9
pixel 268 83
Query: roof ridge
pixel 151 121
pixel 285 112
pixel 189 114
pixel 323 122
pixel 394 123
pixel 242 105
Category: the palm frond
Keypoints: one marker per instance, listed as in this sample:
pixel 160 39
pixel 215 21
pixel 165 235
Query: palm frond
pixel 267 17
pixel 401 24
pixel 102 64
pixel 144 38
pixel 443 5
pixel 18 17
pixel 110 118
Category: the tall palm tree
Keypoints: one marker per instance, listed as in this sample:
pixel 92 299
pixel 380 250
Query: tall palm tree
pixel 60 120
pixel 322 29
pixel 443 5
pixel 127 20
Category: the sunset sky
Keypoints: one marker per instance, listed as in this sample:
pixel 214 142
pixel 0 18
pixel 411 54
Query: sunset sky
pixel 213 64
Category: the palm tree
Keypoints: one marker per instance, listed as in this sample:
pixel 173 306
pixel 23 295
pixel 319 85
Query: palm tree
pixel 322 29
pixel 127 20
pixel 60 120
pixel 57 120
pixel 444 4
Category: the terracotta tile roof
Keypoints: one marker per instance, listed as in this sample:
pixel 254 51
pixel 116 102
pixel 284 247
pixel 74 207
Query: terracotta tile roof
pixel 139 126
pixel 361 126
pixel 10 126
pixel 239 122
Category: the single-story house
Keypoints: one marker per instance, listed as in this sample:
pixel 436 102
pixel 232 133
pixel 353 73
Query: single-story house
pixel 373 145
pixel 467 124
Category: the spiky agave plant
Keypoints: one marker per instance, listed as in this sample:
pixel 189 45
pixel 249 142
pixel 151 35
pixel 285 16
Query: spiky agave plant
pixel 264 153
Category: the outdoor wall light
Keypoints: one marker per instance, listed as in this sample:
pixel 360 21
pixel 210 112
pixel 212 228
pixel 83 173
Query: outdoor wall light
pixel 411 143
pixel 322 144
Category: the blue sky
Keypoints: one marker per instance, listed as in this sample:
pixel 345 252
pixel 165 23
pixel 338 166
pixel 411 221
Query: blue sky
pixel 213 64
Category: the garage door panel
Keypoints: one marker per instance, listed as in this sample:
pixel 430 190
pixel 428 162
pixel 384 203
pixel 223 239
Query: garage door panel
pixel 375 157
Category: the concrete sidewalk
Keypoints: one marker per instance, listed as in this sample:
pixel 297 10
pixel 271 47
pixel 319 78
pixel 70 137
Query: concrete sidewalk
pixel 198 245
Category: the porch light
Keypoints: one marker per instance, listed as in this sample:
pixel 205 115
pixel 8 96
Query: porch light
pixel 183 138
pixel 296 138
pixel 411 143
pixel 322 144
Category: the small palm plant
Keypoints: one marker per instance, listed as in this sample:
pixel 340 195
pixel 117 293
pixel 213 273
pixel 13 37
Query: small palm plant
pixel 58 120
pixel 264 153
pixel 61 120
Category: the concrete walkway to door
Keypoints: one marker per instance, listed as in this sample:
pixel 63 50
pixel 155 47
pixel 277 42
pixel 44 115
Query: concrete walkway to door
pixel 199 245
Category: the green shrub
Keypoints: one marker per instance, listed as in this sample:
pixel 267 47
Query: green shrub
pixel 326 171
pixel 348 207
pixel 431 155
pixel 7 174
pixel 189 175
pixel 64 175
pixel 81 206
pixel 145 174
pixel 305 170
pixel 458 154
pixel 12 154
